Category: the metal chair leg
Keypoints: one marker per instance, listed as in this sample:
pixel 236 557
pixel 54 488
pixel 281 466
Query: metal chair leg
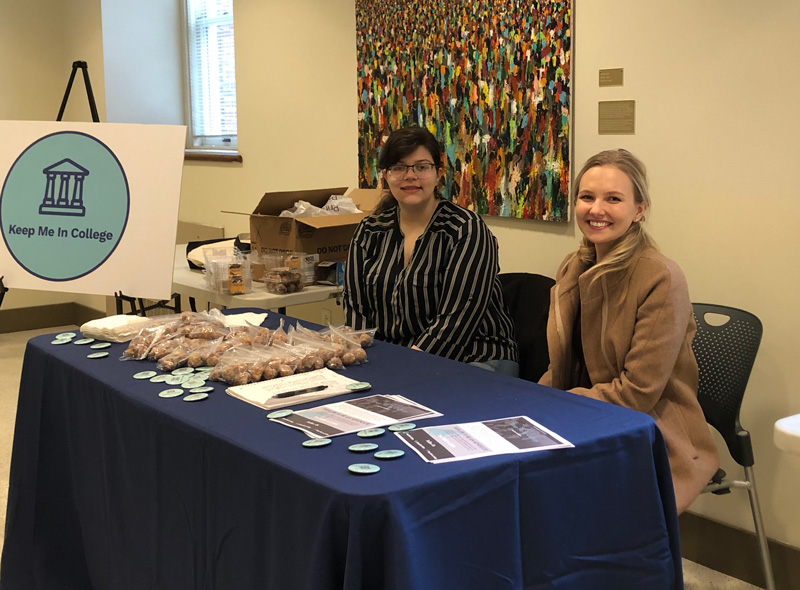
pixel 761 533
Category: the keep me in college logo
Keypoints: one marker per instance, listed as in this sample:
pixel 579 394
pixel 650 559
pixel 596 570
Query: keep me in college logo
pixel 64 206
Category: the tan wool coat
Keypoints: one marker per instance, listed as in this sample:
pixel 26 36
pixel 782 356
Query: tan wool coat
pixel 636 330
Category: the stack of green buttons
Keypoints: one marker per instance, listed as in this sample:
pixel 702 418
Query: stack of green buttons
pixel 63 338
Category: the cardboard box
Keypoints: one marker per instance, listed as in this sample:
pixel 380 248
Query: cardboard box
pixel 330 272
pixel 328 236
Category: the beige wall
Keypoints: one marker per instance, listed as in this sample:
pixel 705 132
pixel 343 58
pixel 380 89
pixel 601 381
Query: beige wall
pixel 143 61
pixel 714 83
pixel 296 101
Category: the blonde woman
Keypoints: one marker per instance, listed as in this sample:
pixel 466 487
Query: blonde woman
pixel 621 325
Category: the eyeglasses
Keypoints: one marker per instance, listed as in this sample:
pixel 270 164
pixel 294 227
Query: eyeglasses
pixel 420 168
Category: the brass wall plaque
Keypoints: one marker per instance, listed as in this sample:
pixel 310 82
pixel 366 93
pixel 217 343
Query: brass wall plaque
pixel 616 117
pixel 611 77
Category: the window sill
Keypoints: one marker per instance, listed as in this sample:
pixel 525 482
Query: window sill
pixel 212 156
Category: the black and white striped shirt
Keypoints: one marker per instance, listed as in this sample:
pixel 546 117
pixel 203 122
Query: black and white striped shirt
pixel 448 300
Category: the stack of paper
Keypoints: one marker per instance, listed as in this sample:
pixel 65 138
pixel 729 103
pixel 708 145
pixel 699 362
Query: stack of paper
pixel 293 389
pixel 355 415
pixel 115 328
pixel 457 442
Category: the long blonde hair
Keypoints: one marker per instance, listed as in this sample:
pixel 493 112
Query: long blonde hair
pixel 636 237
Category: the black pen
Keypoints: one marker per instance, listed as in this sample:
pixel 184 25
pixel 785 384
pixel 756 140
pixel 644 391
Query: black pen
pixel 300 391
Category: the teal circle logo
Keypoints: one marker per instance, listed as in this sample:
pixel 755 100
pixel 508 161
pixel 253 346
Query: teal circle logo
pixel 64 206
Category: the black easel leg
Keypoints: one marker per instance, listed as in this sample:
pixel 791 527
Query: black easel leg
pixel 3 291
pixel 66 94
pixel 92 105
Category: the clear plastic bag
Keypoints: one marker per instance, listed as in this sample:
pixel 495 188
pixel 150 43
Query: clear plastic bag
pixel 199 356
pixel 304 209
pixel 329 353
pixel 307 334
pixel 339 204
pixel 234 366
pixel 139 347
pixel 177 356
pixel 250 364
pixel 164 346
pixel 349 336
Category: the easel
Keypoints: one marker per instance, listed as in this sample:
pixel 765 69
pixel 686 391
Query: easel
pixel 95 118
pixel 92 105
pixel 3 291
pixel 139 308
pixel 137 304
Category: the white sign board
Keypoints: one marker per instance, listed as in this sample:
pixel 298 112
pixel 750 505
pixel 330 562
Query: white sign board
pixel 89 207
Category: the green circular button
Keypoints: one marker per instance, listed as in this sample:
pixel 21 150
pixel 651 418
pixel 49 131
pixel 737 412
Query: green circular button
pixel 171 393
pixel 389 454
pixel 316 442
pixel 144 374
pixel 61 341
pixel 175 379
pixel 97 355
pixel 195 397
pixel 182 371
pixel 84 341
pixel 159 379
pixel 363 468
pixel 359 386
pixel 100 345
pixel 279 414
pixel 193 383
pixel 362 447
pixel 204 389
pixel 402 427
pixel 66 335
pixel 370 432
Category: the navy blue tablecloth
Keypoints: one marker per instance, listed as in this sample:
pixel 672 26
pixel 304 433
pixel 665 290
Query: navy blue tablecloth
pixel 115 488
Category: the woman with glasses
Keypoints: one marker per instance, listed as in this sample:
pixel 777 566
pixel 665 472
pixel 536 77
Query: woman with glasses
pixel 422 270
pixel 621 323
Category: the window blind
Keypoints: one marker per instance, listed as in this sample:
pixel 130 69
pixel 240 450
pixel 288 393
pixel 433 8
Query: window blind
pixel 212 72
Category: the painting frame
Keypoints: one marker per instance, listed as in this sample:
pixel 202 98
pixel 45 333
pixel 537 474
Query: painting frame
pixel 492 81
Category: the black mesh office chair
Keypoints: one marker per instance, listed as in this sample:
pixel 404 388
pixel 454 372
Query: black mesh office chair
pixel 527 297
pixel 725 355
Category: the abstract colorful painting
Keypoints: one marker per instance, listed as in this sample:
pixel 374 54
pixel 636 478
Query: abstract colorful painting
pixel 491 79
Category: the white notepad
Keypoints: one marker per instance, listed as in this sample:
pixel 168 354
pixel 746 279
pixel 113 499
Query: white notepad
pixel 262 394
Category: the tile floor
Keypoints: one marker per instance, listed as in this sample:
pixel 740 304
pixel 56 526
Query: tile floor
pixel 12 348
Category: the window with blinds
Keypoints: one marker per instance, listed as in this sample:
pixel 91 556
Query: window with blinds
pixel 211 70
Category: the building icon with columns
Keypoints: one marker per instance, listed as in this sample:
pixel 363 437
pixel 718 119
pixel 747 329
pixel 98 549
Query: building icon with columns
pixel 63 194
